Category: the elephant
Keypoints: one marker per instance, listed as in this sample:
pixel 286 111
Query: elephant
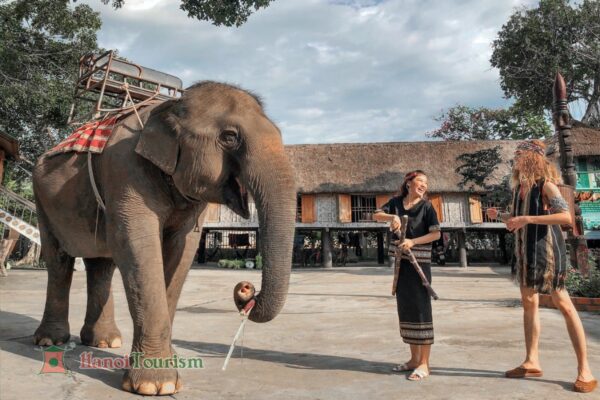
pixel 156 177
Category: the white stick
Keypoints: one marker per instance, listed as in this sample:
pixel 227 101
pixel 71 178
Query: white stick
pixel 236 337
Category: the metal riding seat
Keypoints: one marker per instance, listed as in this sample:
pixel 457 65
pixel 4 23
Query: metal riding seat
pixel 112 84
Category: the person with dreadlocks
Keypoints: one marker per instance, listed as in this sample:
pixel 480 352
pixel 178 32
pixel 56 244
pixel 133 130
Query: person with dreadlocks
pixel 412 298
pixel 538 210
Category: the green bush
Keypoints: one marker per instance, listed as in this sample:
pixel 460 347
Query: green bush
pixel 584 286
pixel 231 264
pixel 258 263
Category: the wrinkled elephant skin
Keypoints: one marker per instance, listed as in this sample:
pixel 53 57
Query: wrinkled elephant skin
pixel 212 145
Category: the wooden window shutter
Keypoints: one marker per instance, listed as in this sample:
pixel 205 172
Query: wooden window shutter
pixel 475 208
pixel 309 212
pixel 437 203
pixel 213 213
pixel 381 199
pixel 344 208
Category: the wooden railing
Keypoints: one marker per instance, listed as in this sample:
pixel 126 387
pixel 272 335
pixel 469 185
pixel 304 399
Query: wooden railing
pixel 486 206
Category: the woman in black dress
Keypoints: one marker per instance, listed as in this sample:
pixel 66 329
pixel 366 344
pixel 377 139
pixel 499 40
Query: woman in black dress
pixel 538 210
pixel 414 303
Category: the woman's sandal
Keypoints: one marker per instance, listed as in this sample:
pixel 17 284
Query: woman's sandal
pixel 585 387
pixel 521 372
pixel 402 368
pixel 418 375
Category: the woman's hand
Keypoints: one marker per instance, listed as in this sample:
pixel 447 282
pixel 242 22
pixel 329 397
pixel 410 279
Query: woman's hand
pixel 407 244
pixel 395 224
pixel 492 213
pixel 515 223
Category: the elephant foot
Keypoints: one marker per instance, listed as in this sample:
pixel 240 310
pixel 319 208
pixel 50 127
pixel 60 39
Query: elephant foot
pixel 51 333
pixel 102 336
pixel 151 382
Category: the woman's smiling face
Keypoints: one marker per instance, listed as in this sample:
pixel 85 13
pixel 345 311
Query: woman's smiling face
pixel 418 186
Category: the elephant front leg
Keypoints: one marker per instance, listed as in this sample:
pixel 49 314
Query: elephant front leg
pixel 100 329
pixel 140 262
pixel 54 328
pixel 179 251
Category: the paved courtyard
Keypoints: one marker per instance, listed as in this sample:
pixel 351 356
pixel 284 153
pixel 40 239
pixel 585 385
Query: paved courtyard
pixel 337 338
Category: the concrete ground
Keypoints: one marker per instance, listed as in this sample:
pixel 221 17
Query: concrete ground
pixel 337 338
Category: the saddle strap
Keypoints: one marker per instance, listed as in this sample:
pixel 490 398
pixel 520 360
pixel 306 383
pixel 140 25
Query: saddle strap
pixel 93 182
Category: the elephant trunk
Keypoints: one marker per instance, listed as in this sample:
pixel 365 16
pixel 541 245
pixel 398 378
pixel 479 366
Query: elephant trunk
pixel 271 183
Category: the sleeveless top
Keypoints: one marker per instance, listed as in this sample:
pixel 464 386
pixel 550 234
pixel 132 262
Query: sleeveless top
pixel 540 251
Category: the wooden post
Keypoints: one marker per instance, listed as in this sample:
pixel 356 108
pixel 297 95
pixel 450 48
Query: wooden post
pixel 380 249
pixel 2 158
pixel 503 251
pixel 462 248
pixel 202 248
pixel 578 250
pixel 6 248
pixel 326 243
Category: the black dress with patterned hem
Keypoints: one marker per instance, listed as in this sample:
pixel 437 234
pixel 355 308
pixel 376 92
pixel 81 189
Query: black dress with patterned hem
pixel 540 250
pixel 413 301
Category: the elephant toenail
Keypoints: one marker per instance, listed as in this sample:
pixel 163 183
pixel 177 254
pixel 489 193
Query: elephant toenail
pixel 167 388
pixel 147 388
pixel 127 385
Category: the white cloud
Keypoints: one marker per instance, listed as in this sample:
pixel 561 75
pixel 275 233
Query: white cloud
pixel 354 70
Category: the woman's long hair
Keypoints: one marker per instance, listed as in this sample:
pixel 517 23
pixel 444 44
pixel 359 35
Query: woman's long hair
pixel 403 192
pixel 530 167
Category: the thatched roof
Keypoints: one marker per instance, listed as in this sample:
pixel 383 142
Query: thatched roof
pixel 585 141
pixel 380 167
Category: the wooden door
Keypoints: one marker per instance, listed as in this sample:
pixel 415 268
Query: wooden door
pixel 214 212
pixel 437 203
pixel 309 212
pixel 344 208
pixel 475 208
pixel 381 199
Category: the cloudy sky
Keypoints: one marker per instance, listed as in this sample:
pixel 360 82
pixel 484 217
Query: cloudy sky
pixel 330 70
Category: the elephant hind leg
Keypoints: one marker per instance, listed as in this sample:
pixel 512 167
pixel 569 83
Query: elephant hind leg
pixel 100 329
pixel 54 328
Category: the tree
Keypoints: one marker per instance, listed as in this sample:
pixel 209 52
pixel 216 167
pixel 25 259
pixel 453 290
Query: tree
pixel 477 167
pixel 480 123
pixel 471 123
pixel 536 43
pixel 41 42
pixel 219 12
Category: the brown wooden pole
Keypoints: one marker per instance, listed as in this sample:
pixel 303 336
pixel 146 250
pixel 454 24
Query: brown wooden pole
pixel 578 250
pixel 1 165
pixel 327 256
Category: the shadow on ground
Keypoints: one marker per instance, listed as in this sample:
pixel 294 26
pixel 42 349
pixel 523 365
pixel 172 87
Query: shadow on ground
pixel 22 345
pixel 312 361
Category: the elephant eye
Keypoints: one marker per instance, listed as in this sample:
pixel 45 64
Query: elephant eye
pixel 229 139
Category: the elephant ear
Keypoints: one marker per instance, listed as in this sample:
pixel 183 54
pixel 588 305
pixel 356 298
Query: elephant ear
pixel 158 140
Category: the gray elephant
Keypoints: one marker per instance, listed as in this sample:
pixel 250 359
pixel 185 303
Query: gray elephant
pixel 156 182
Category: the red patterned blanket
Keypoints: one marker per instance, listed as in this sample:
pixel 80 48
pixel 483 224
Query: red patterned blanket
pixel 90 137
